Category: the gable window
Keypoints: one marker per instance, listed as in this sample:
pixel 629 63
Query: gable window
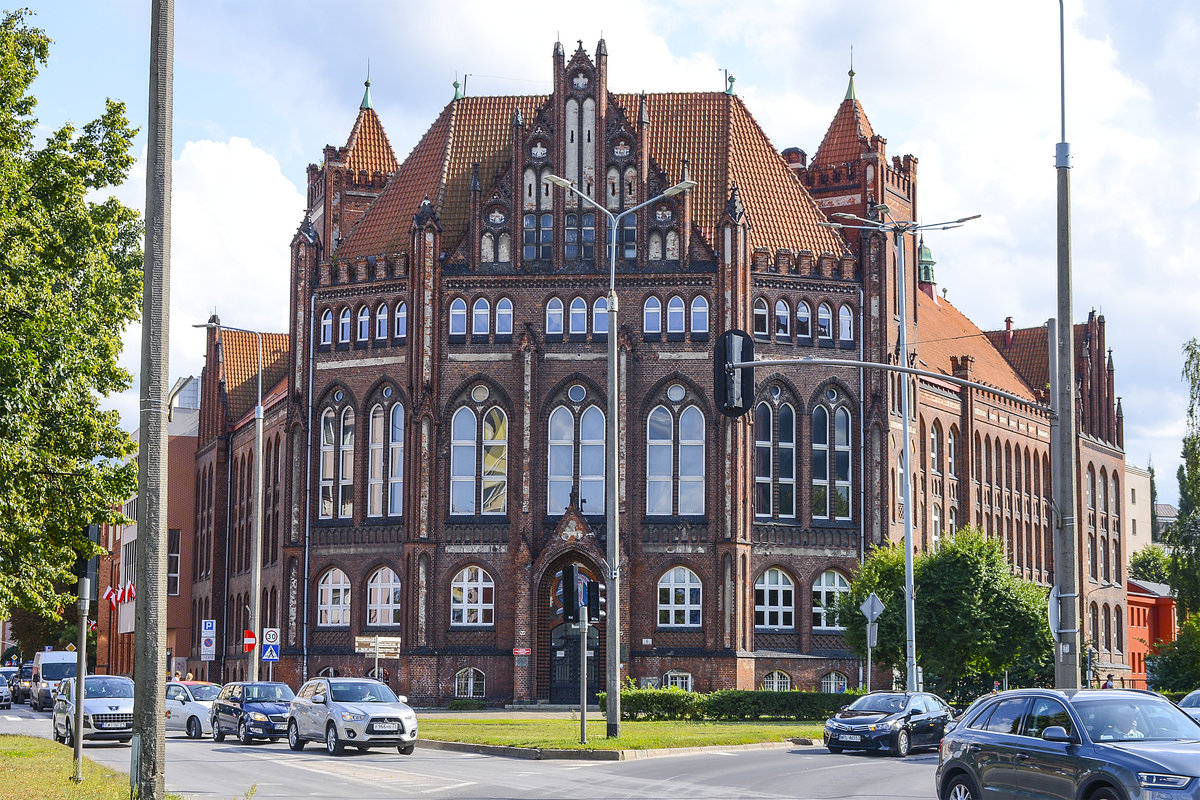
pixel 825 593
pixel 783 320
pixel 803 320
pixel 845 324
pixel 364 324
pixel 760 318
pixel 652 316
pixel 774 600
pixel 458 317
pixel 580 236
pixel 401 326
pixel 675 315
pixel 554 317
pixel 384 598
pixel 344 326
pixel 629 237
pixel 480 317
pixel 568 447
pixel 578 316
pixel 327 327
pixel 504 317
pixel 666 439
pixel 824 321
pixel 333 599
pixel 699 315
pixel 679 595
pixel 381 321
pixel 472 598
pixel 346 466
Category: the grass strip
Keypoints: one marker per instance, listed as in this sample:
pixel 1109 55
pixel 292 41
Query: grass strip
pixel 32 768
pixel 564 733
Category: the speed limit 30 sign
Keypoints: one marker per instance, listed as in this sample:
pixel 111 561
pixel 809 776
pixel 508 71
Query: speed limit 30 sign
pixel 270 636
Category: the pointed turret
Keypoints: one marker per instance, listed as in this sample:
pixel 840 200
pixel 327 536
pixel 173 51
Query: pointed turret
pixel 366 101
pixel 925 279
pixel 844 140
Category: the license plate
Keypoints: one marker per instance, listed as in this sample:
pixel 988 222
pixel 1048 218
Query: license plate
pixel 386 726
pixel 281 726
pixel 112 725
pixel 850 737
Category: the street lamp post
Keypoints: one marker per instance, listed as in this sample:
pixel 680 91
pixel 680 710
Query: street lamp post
pixel 613 630
pixel 256 535
pixel 899 229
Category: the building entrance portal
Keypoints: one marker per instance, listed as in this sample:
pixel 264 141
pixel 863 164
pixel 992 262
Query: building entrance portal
pixel 564 665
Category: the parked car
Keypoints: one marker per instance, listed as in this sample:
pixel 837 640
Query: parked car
pixel 50 667
pixel 889 721
pixel 1106 744
pixel 107 709
pixel 189 707
pixel 361 712
pixel 7 674
pixel 251 711
pixel 23 684
pixel 1191 704
pixel 5 695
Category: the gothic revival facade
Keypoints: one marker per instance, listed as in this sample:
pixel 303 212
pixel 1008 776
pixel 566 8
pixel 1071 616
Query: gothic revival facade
pixel 442 417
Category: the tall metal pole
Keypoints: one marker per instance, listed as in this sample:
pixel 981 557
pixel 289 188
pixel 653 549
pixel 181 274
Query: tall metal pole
pixel 256 536
pixel 583 673
pixel 150 607
pixel 85 592
pixel 1066 544
pixel 612 653
pixel 910 619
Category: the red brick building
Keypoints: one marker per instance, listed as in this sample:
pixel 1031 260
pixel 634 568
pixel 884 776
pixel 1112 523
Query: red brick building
pixel 1151 621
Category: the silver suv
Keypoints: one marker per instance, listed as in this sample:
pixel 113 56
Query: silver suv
pixel 360 712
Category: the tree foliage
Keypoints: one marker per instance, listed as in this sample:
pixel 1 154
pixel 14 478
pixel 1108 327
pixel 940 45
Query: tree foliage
pixel 1176 665
pixel 1182 538
pixel 1151 563
pixel 974 618
pixel 70 281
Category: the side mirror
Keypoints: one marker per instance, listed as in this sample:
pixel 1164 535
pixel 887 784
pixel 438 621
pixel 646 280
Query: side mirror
pixel 1057 733
pixel 403 698
pixel 318 699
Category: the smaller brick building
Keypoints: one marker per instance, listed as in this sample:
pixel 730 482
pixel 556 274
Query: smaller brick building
pixel 1151 622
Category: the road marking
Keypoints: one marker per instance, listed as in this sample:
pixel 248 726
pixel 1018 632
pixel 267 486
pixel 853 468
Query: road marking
pixel 354 771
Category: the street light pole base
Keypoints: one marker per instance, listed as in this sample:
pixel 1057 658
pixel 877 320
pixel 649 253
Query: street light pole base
pixel 614 730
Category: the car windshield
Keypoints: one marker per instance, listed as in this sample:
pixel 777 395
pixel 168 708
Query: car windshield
pixel 26 672
pixel 1191 701
pixel 268 693
pixel 57 670
pixel 879 703
pixel 361 692
pixel 103 686
pixel 205 691
pixel 1126 720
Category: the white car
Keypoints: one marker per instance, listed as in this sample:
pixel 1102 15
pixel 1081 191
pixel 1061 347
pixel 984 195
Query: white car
pixel 107 709
pixel 189 707
pixel 359 712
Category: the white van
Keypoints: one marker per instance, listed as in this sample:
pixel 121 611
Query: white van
pixel 50 667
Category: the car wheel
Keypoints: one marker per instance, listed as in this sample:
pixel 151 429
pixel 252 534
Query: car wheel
pixel 333 745
pixel 218 734
pixel 194 729
pixel 294 740
pixel 69 739
pixel 1103 793
pixel 243 733
pixel 405 749
pixel 903 743
pixel 54 732
pixel 961 788
pixel 833 748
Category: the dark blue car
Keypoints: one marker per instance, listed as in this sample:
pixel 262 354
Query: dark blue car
pixel 896 722
pixel 251 711
pixel 1047 744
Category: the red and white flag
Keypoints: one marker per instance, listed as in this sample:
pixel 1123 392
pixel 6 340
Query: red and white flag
pixel 92 625
pixel 130 592
pixel 111 595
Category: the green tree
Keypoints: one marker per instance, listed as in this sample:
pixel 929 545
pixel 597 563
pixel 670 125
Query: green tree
pixel 1151 563
pixel 1182 538
pixel 1176 665
pixel 1153 505
pixel 70 281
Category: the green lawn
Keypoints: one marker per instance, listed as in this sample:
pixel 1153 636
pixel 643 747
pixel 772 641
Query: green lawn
pixel 564 733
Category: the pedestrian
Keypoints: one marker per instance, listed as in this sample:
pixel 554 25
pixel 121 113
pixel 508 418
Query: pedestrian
pixel 995 687
pixel 177 675
pixel 189 676
pixel 1108 682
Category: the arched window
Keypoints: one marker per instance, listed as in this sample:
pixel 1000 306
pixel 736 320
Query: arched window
pixel 783 320
pixel 1094 625
pixel 652 315
pixel 491 459
pixel 504 317
pixel 777 681
pixel 952 525
pixel 787 461
pixel 591 461
pixel 951 454
pixel 833 682
pixel 481 317
pixel 935 448
pixel 900 478
pixel 846 324
pixel 1119 629
pixel 487 248
pixel 494 499
pixel 659 466
pixel 384 598
pixel 1091 487
pixel 462 462
pixel 333 599
pixel 396 462
pixel 1107 628
pixel 469 683
pixel 691 461
pixel 472 598
pixel 1116 495
pixel 364 324
pixel 560 460
pixel 600 316
pixel 1105 573
pixel 1103 489
pixel 760 318
pixel 699 314
pixel 679 596
pixel 935 525
pixel 803 320
pixel 824 321
pixel 344 326
pixel 326 329
pixel 763 463
pixel 678 679
pixel 774 600
pixel 670 442
pixel 841 464
pixel 1116 560
pixel 675 315
pixel 458 317
pixel 381 321
pixel 328 439
pixel 346 466
pixel 820 463
pixel 554 317
pixel 401 326
pixel 825 593
pixel 565 448
pixel 375 464
pixel 579 316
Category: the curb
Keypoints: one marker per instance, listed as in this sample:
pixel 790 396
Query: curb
pixel 547 753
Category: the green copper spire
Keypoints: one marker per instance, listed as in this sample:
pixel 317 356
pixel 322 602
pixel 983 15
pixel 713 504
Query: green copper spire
pixel 457 89
pixel 850 88
pixel 366 101
pixel 925 263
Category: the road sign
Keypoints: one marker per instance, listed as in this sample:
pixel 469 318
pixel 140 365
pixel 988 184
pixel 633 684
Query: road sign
pixel 872 607
pixel 385 645
pixel 270 636
pixel 208 627
pixel 249 640
pixel 270 652
pixel 872 634
pixel 208 648
pixel 522 651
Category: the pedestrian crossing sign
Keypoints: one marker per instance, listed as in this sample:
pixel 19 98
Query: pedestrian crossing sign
pixel 270 652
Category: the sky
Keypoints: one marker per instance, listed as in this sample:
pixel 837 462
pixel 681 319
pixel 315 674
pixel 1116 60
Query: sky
pixel 971 89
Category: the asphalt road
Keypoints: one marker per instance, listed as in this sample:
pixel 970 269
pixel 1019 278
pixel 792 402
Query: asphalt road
pixel 205 769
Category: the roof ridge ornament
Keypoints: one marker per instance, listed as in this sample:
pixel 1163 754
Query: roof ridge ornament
pixel 366 101
pixel 850 94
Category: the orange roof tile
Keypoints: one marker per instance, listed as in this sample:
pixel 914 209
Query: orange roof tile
pixel 842 139
pixel 943 331
pixel 239 361
pixel 1029 353
pixel 368 146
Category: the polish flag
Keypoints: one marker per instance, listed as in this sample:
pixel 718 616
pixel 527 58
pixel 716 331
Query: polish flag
pixel 111 595
pixel 92 625
pixel 130 592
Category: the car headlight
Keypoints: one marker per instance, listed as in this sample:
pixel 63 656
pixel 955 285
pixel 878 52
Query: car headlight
pixel 408 715
pixel 87 720
pixel 1158 780
pixel 348 717
pixel 259 717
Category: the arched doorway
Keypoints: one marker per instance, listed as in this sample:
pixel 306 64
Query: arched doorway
pixel 559 666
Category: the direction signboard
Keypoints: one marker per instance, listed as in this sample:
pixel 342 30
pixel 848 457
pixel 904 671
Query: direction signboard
pixel 384 645
pixel 270 652
pixel 872 607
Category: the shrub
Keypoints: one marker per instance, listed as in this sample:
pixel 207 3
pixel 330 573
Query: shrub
pixel 466 705
pixel 726 704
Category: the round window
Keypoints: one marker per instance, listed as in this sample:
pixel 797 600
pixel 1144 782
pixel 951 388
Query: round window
pixel 387 391
pixel 675 393
pixel 338 395
pixel 831 395
pixel 480 393
pixel 776 392
pixel 576 393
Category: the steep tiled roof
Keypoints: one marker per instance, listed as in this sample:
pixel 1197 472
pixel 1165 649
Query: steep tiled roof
pixel 239 360
pixel 715 131
pixel 368 146
pixel 1028 353
pixel 841 142
pixel 944 332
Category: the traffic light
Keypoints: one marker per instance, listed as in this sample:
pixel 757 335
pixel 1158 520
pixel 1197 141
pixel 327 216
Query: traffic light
pixel 733 388
pixel 596 601
pixel 568 592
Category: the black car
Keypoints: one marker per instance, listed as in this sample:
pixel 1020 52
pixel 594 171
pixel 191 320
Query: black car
pixel 889 721
pixel 251 711
pixel 1106 744
pixel 22 685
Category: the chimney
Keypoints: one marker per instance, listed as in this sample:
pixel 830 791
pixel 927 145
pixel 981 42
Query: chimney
pixel 1008 332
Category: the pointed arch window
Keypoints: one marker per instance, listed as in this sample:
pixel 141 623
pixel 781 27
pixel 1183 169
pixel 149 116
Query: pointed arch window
pixel 675 315
pixel 381 321
pixel 344 326
pixel 579 313
pixel 600 317
pixel 472 598
pixel 396 462
pixel 326 330
pixel 384 598
pixel 504 317
pixel 803 320
pixel 679 599
pixel 375 462
pixel 672 441
pixel 763 463
pixel 845 324
pixel 333 599
pixel 328 440
pixel 481 314
pixel 652 316
pixel 1091 487
pixel 827 589
pixel 554 317
pixel 699 315
pixel 346 466
pixel 400 329
pixel 824 321
pixel 935 448
pixel 567 446
pixel 458 317
pixel 935 525
pixel 951 453
pixel 774 600
pixel 364 324
pixel 761 327
pixel 783 320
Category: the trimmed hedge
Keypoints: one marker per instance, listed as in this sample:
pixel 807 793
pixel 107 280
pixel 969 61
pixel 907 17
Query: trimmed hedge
pixel 727 704
pixel 462 704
